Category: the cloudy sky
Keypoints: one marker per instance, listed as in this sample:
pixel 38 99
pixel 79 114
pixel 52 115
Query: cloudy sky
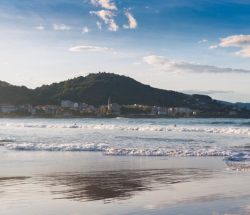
pixel 191 46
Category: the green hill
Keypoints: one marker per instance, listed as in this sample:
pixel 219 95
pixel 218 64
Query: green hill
pixel 96 88
pixel 10 94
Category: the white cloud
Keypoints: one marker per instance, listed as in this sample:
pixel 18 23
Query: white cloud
pixel 238 41
pixel 85 30
pixel 113 26
pixel 244 52
pixel 106 4
pixel 40 28
pixel 61 27
pixel 167 65
pixel 203 41
pixel 99 25
pixel 213 46
pixel 107 17
pixel 235 41
pixel 84 48
pixel 132 23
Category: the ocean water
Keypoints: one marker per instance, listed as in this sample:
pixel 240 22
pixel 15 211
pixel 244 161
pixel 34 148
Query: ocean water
pixel 227 138
pixel 124 166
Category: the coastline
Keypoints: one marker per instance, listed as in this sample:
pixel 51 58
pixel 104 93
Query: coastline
pixel 132 116
pixel 112 167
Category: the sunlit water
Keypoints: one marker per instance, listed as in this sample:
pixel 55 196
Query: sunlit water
pixel 124 166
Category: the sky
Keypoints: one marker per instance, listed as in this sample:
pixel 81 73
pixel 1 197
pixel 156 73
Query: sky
pixel 192 46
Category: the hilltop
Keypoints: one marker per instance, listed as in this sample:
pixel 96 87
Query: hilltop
pixel 96 88
pixel 10 94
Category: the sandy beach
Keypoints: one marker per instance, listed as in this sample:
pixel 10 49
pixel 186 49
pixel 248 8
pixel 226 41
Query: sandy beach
pixel 124 166
pixel 90 183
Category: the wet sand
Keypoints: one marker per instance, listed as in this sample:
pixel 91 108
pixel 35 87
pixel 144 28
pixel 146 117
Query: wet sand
pixel 91 183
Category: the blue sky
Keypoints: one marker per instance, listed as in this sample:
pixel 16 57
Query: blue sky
pixel 193 46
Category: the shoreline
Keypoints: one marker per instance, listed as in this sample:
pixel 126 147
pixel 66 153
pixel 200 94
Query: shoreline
pixel 74 182
pixel 120 116
pixel 104 170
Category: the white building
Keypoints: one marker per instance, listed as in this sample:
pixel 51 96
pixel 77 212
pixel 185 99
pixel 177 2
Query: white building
pixel 82 106
pixel 50 109
pixel 8 108
pixel 115 108
pixel 183 110
pixel 67 104
pixel 76 105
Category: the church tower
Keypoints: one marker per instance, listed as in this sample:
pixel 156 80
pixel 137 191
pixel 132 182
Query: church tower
pixel 109 104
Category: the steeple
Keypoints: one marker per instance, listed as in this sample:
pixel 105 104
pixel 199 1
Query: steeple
pixel 109 103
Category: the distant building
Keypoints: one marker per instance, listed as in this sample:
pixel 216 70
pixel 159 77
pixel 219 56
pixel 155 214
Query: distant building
pixel 171 112
pixel 50 109
pixel 91 109
pixel 115 108
pixel 8 108
pixel 109 104
pixel 67 104
pixel 162 111
pixel 82 106
pixel 110 108
pixel 233 113
pixel 184 110
pixel 103 110
pixel 76 105
pixel 181 111
pixel 32 110
pixel 28 109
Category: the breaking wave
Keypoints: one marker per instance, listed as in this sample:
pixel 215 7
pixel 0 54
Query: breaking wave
pixel 182 152
pixel 140 127
pixel 120 151
pixel 130 137
pixel 238 160
pixel 3 141
pixel 55 147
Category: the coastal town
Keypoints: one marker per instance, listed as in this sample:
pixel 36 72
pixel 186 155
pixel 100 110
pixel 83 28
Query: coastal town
pixel 69 108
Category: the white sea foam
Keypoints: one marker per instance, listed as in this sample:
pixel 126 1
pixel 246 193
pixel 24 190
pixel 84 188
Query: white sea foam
pixel 126 137
pixel 56 147
pixel 108 150
pixel 184 152
pixel 238 160
pixel 138 127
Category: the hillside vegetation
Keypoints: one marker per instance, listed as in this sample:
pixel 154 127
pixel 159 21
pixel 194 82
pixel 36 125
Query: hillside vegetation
pixel 96 88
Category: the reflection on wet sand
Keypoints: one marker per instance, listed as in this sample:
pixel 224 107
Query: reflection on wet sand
pixel 10 182
pixel 17 178
pixel 102 185
pixel 118 184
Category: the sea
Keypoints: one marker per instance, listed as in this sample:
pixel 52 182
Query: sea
pixel 99 166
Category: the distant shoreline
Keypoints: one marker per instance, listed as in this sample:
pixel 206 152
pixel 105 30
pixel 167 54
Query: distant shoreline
pixel 123 116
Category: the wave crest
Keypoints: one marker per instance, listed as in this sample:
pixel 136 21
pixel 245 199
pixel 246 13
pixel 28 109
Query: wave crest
pixel 55 147
pixel 238 160
pixel 140 127
pixel 115 151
